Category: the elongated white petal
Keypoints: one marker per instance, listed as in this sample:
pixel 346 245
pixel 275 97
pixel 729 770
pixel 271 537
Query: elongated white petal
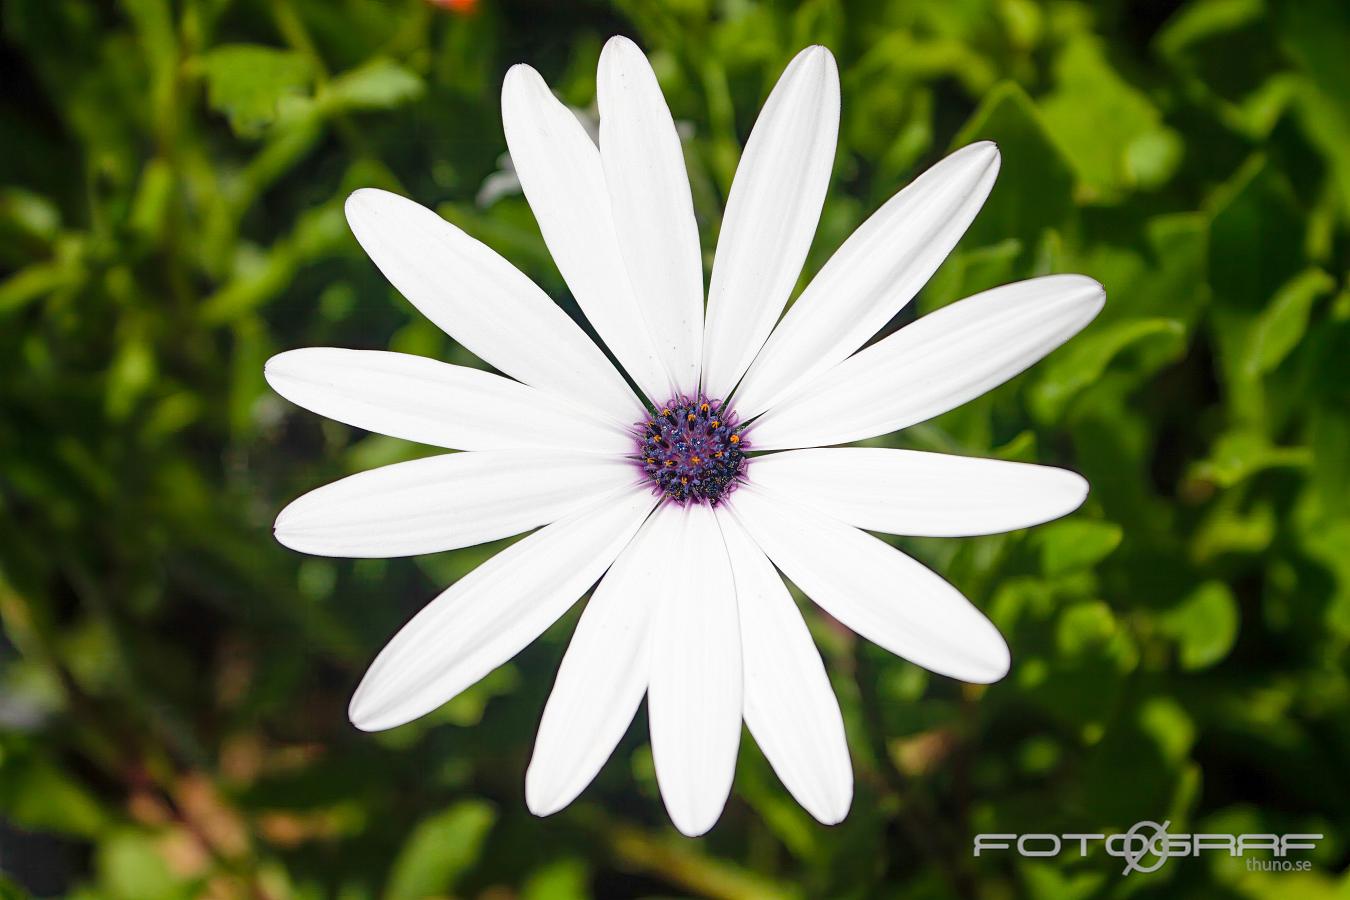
pixel 485 303
pixel 604 673
pixel 934 364
pixel 430 402
pixel 874 589
pixel 653 209
pixel 789 705
pixel 560 171
pixel 771 216
pixel 922 494
pixel 876 272
pixel 489 615
pixel 444 502
pixel 694 700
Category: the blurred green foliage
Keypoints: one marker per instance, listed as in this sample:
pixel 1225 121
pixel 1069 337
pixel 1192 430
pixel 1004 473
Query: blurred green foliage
pixel 172 714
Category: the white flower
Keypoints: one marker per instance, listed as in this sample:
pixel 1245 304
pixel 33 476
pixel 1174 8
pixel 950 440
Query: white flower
pixel 657 498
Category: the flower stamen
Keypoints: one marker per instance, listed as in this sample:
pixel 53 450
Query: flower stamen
pixel 692 451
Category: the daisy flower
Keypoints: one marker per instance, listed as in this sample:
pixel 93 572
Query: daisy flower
pixel 686 492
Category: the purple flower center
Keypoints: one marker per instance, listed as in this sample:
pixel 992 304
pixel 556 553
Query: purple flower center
pixel 691 450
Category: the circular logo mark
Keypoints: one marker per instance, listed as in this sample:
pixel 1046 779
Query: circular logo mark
pixel 1139 845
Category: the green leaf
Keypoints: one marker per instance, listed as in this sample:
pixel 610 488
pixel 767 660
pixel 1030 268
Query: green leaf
pixel 1330 447
pixel 1283 323
pixel 130 374
pixel 1035 194
pixel 132 868
pixel 379 84
pixel 1204 625
pixel 247 82
pixel 1256 236
pixel 1043 880
pixel 565 879
pixel 1203 20
pixel 11 891
pixel 1239 454
pixel 1111 132
pixel 1073 544
pixel 1222 49
pixel 1090 631
pixel 440 850
pixel 1228 529
pixel 36 794
pixel 1170 727
pixel 1084 359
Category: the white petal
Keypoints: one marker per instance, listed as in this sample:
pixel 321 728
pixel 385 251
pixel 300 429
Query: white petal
pixel 876 272
pixel 922 494
pixel 561 174
pixel 489 615
pixel 485 303
pixel 694 700
pixel 771 216
pixel 420 399
pixel 874 589
pixel 934 364
pixel 653 209
pixel 789 705
pixel 445 502
pixel 604 673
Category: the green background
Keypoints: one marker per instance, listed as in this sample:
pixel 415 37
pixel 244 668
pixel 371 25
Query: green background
pixel 173 683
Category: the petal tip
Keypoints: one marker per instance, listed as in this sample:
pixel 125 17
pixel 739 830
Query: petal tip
pixel 994 667
pixel 365 713
pixel 364 202
pixel 983 159
pixel 1079 488
pixel 279 526
pixel 290 534
pixel 540 799
pixel 984 149
pixel 359 198
pixel 695 816
pixel 1099 296
pixel 693 826
pixel 834 814
pixel 618 44
pixel 816 53
pixel 359 206
pixel 520 77
pixel 1090 293
pixel 279 368
pixel 360 720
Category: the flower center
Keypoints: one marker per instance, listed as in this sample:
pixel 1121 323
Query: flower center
pixel 691 450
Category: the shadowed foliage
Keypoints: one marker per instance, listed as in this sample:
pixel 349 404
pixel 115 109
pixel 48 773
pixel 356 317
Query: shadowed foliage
pixel 173 683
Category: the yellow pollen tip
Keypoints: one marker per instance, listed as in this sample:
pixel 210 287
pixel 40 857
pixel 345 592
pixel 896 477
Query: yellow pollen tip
pixel 695 460
pixel 735 438
pixel 714 423
pixel 684 481
pixel 691 417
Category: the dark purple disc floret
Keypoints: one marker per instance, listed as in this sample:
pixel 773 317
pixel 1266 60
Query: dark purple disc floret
pixel 691 450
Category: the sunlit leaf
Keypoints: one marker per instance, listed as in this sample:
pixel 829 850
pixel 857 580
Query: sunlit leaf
pixel 1076 544
pixel 1204 625
pixel 379 84
pixel 439 850
pixel 247 82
